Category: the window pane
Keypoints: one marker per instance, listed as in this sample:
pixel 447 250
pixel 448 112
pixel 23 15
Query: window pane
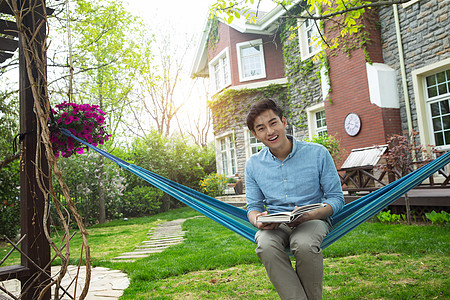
pixel 442 88
pixel 439 139
pixel 252 50
pixel 431 80
pixel 225 70
pixel 233 162
pixel 437 125
pixel 445 109
pixel 435 109
pixel 440 77
pixel 322 133
pixel 432 92
pixel 447 137
pixel 446 122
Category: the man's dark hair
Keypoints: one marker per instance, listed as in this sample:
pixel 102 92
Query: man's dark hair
pixel 258 108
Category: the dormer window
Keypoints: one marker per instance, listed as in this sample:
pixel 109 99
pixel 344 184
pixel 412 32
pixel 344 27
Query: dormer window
pixel 219 71
pixel 251 60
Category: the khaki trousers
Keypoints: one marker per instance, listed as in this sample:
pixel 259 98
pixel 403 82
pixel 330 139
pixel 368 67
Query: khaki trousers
pixel 305 282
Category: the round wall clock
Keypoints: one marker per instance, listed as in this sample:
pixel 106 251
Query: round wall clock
pixel 352 124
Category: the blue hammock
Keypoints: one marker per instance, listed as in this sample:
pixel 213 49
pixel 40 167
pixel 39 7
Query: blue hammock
pixel 235 219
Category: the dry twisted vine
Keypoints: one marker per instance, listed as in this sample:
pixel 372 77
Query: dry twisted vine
pixel 34 51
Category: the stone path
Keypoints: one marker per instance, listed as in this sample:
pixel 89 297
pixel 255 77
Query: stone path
pixel 107 284
pixel 161 237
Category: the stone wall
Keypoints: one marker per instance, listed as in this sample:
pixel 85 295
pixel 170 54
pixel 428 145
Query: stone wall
pixel 425 35
pixel 304 86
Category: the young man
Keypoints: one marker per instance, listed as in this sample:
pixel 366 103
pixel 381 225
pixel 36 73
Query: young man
pixel 285 174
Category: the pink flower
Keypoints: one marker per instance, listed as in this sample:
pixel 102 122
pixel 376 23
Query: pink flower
pixel 88 138
pixel 68 120
pixel 72 131
pixel 84 121
pixel 100 119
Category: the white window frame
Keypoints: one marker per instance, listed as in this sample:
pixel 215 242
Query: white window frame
pixel 422 105
pixel 249 144
pixel 218 59
pixel 311 111
pixel 303 29
pixel 231 159
pixel 246 44
pixel 433 100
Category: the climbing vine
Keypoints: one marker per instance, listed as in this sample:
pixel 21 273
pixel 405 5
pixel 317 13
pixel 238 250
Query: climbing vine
pixel 230 107
pixel 213 36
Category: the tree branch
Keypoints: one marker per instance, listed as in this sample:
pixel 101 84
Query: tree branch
pixel 9 159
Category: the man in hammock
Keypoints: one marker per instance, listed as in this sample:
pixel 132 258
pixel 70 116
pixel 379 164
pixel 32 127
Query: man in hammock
pixel 286 174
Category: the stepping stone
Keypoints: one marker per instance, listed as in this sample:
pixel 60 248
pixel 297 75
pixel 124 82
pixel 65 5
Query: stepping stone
pixel 161 237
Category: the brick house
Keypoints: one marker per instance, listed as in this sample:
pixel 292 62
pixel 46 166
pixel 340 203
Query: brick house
pixel 398 81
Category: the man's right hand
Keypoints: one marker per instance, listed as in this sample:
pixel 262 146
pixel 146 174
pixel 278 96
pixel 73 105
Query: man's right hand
pixel 253 217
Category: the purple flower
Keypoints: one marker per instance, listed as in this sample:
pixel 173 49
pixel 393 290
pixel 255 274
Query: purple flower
pixel 88 114
pixel 79 150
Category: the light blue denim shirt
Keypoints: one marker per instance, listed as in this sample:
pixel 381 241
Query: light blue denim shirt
pixel 308 175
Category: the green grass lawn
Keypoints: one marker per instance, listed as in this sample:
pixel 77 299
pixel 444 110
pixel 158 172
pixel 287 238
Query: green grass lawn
pixel 375 261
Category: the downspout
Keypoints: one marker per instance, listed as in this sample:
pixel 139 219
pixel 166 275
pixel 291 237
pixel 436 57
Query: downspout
pixel 402 68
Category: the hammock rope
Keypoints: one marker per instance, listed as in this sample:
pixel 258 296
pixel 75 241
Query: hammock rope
pixel 352 215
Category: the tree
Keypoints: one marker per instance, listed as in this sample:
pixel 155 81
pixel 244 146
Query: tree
pixel 171 157
pixel 82 174
pixel 159 82
pixel 105 59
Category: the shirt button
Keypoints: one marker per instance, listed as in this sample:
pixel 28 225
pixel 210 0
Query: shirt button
pixel 284 180
pixel 286 196
pixel 282 164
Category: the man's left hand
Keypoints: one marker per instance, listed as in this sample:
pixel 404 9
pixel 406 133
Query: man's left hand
pixel 321 214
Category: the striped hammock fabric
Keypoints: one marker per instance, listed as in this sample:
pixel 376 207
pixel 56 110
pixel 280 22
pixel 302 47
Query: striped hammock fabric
pixel 235 219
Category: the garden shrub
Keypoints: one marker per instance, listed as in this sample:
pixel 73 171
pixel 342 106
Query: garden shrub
pixel 213 184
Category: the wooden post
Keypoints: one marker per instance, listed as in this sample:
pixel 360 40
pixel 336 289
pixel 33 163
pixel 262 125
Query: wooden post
pixel 35 244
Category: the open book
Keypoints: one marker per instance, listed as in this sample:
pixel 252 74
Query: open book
pixel 289 216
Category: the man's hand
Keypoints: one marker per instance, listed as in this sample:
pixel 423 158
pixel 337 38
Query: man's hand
pixel 253 217
pixel 320 214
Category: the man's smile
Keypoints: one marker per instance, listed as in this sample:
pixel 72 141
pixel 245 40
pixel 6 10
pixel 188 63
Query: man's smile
pixel 273 139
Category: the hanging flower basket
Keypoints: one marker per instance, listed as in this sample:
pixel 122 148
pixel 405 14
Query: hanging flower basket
pixel 84 121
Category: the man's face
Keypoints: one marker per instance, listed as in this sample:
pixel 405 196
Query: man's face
pixel 270 130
